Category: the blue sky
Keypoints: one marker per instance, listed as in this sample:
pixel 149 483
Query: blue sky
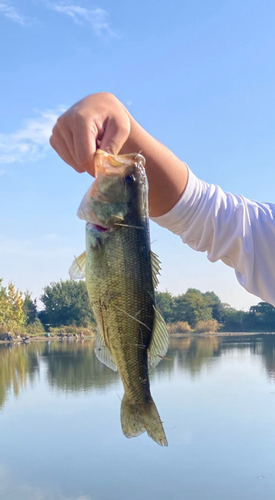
pixel 198 75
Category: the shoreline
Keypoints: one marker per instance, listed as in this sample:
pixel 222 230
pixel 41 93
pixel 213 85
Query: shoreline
pixel 220 334
pixel 40 338
pixel 56 338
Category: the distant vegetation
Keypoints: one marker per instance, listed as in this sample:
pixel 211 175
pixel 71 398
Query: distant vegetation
pixel 66 305
pixel 204 312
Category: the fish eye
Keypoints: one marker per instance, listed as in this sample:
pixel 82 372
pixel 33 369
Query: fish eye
pixel 129 179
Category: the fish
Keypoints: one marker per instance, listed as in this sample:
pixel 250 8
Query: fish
pixel 121 276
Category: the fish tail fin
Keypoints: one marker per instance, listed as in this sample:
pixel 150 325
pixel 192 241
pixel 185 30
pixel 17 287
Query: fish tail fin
pixel 137 418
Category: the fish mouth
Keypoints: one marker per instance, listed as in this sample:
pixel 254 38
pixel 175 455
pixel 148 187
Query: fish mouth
pixel 97 227
pixel 100 229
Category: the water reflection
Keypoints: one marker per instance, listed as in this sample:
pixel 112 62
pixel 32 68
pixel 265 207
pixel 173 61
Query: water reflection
pixel 18 365
pixel 73 367
pixel 192 354
pixel 268 353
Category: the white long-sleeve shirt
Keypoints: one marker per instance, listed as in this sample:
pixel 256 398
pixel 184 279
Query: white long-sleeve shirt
pixel 229 227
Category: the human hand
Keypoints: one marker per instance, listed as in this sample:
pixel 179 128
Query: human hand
pixel 99 120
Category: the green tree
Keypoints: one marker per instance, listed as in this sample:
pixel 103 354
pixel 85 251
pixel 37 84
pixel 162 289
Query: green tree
pixel 66 303
pixel 11 306
pixel 164 302
pixel 218 308
pixel 192 307
pixel 30 309
pixel 234 320
pixel 262 316
pixel 3 302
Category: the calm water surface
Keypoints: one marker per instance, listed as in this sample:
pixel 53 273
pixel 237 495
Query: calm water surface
pixel 60 435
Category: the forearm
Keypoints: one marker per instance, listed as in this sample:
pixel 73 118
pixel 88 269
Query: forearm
pixel 234 229
pixel 167 175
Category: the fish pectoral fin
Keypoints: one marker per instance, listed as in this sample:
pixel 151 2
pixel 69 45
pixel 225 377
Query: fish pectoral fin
pixel 159 342
pixel 77 269
pixel 137 418
pixel 102 351
pixel 156 268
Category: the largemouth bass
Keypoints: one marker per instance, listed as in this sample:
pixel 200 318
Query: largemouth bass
pixel 121 275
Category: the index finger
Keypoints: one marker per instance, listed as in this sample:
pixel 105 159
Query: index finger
pixel 85 144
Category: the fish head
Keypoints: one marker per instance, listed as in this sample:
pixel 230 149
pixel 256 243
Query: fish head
pixel 119 191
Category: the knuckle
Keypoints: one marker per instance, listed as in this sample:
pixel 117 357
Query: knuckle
pixel 59 121
pixel 125 128
pixel 54 130
pixel 79 169
pixel 79 115
pixel 79 119
pixel 74 112
pixel 107 95
pixel 52 142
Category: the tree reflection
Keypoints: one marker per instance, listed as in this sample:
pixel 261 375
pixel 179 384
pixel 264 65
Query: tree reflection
pixel 73 366
pixel 18 365
pixel 191 354
pixel 268 354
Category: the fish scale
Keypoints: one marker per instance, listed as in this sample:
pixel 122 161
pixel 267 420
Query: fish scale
pixel 132 292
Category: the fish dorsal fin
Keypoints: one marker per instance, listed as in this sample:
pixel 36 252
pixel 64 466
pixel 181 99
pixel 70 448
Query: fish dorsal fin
pixel 156 268
pixel 77 269
pixel 160 340
pixel 102 352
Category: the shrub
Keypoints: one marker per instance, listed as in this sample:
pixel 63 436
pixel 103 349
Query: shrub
pixel 209 326
pixel 179 327
pixel 12 327
pixel 35 328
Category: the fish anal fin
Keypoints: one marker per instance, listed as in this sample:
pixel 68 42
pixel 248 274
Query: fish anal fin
pixel 160 340
pixel 77 269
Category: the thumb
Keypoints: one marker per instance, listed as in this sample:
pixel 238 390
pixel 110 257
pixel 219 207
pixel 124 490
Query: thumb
pixel 115 135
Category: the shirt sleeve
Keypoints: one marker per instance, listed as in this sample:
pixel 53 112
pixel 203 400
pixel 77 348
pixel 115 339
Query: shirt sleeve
pixel 232 228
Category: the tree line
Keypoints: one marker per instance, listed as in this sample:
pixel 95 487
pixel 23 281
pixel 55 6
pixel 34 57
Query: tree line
pixel 66 303
pixel 194 307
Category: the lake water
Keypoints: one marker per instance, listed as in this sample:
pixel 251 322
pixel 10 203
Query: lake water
pixel 60 434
